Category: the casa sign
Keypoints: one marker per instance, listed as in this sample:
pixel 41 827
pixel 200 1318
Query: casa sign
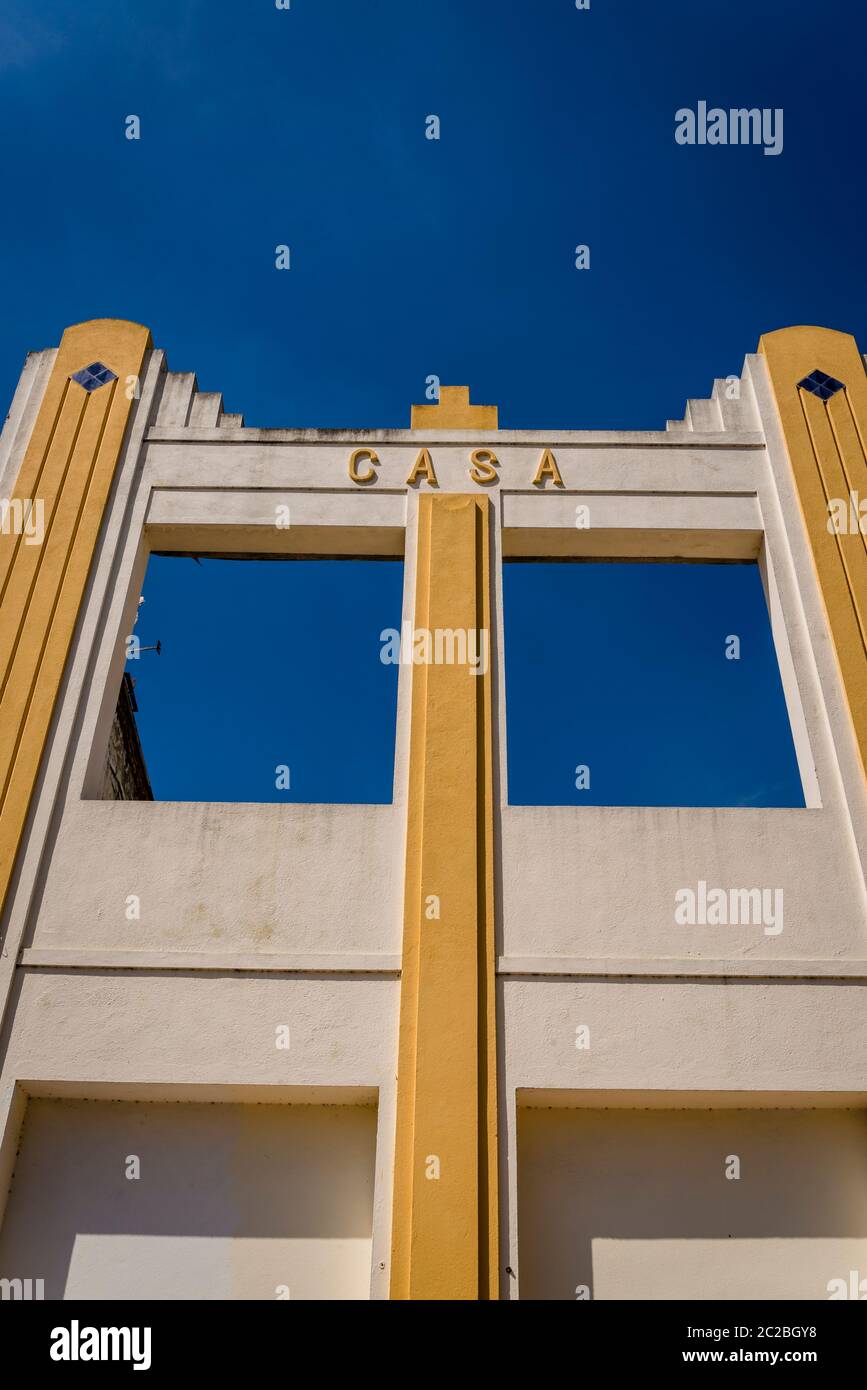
pixel 482 465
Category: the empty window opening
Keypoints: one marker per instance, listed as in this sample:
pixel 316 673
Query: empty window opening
pixel 644 684
pixel 258 681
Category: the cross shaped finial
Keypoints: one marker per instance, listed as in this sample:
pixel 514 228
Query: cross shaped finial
pixel 454 412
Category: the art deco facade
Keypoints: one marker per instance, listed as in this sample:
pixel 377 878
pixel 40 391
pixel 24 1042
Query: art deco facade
pixel 446 1047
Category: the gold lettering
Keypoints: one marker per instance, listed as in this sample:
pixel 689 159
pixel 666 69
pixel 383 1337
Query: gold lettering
pixel 354 474
pixel 483 466
pixel 547 469
pixel 423 466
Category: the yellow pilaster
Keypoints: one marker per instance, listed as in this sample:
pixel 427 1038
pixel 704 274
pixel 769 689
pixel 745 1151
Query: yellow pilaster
pixel 826 443
pixel 445 1239
pixel 68 468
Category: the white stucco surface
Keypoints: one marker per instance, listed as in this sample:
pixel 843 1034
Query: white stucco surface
pixel 230 1201
pixel 222 877
pixel 601 881
pixel 636 1204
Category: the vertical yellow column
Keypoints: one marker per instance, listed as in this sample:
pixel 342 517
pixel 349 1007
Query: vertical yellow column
pixel 444 1243
pixel 65 479
pixel 826 443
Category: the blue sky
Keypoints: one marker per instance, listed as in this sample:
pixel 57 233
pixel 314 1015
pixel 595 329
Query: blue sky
pixel 412 257
pixel 268 665
pixel 622 669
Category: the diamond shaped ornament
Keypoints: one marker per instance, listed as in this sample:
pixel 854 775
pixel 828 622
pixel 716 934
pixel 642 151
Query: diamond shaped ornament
pixel 94 376
pixel 821 385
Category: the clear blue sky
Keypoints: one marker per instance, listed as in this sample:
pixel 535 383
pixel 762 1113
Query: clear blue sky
pixel 619 667
pixel 413 257
pixel 267 665
pixel 409 256
pixel 622 669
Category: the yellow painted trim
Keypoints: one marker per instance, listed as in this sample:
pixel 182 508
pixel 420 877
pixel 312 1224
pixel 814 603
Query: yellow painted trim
pixel 445 1236
pixel 69 465
pixel 454 412
pixel 826 447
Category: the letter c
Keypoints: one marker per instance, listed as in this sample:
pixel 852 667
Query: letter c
pixel 354 474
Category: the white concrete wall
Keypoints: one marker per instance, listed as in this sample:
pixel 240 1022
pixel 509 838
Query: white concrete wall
pixel 232 1201
pixel 635 1204
pixel 600 883
pixel 292 880
pixel 22 415
pixel 658 1040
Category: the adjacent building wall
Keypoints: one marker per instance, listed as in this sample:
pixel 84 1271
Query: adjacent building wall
pixel 126 775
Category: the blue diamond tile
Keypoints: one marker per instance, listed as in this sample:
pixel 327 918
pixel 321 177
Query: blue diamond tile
pixel 821 385
pixel 94 376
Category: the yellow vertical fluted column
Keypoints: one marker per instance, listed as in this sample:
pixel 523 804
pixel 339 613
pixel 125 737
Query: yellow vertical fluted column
pixel 826 442
pixel 444 1243
pixel 62 487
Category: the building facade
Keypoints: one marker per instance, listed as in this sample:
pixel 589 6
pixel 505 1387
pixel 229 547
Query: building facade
pixel 449 1047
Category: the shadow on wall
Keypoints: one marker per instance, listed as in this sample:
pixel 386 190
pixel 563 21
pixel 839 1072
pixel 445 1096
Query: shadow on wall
pixel 231 1202
pixel 636 1204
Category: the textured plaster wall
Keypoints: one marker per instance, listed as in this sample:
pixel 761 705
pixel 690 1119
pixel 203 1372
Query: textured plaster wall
pixel 232 1201
pixel 224 877
pixel 601 881
pixel 209 1027
pixel 636 1203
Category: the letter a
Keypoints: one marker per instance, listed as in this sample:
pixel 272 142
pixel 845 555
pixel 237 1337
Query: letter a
pixel 547 469
pixel 423 467
pixel 684 132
